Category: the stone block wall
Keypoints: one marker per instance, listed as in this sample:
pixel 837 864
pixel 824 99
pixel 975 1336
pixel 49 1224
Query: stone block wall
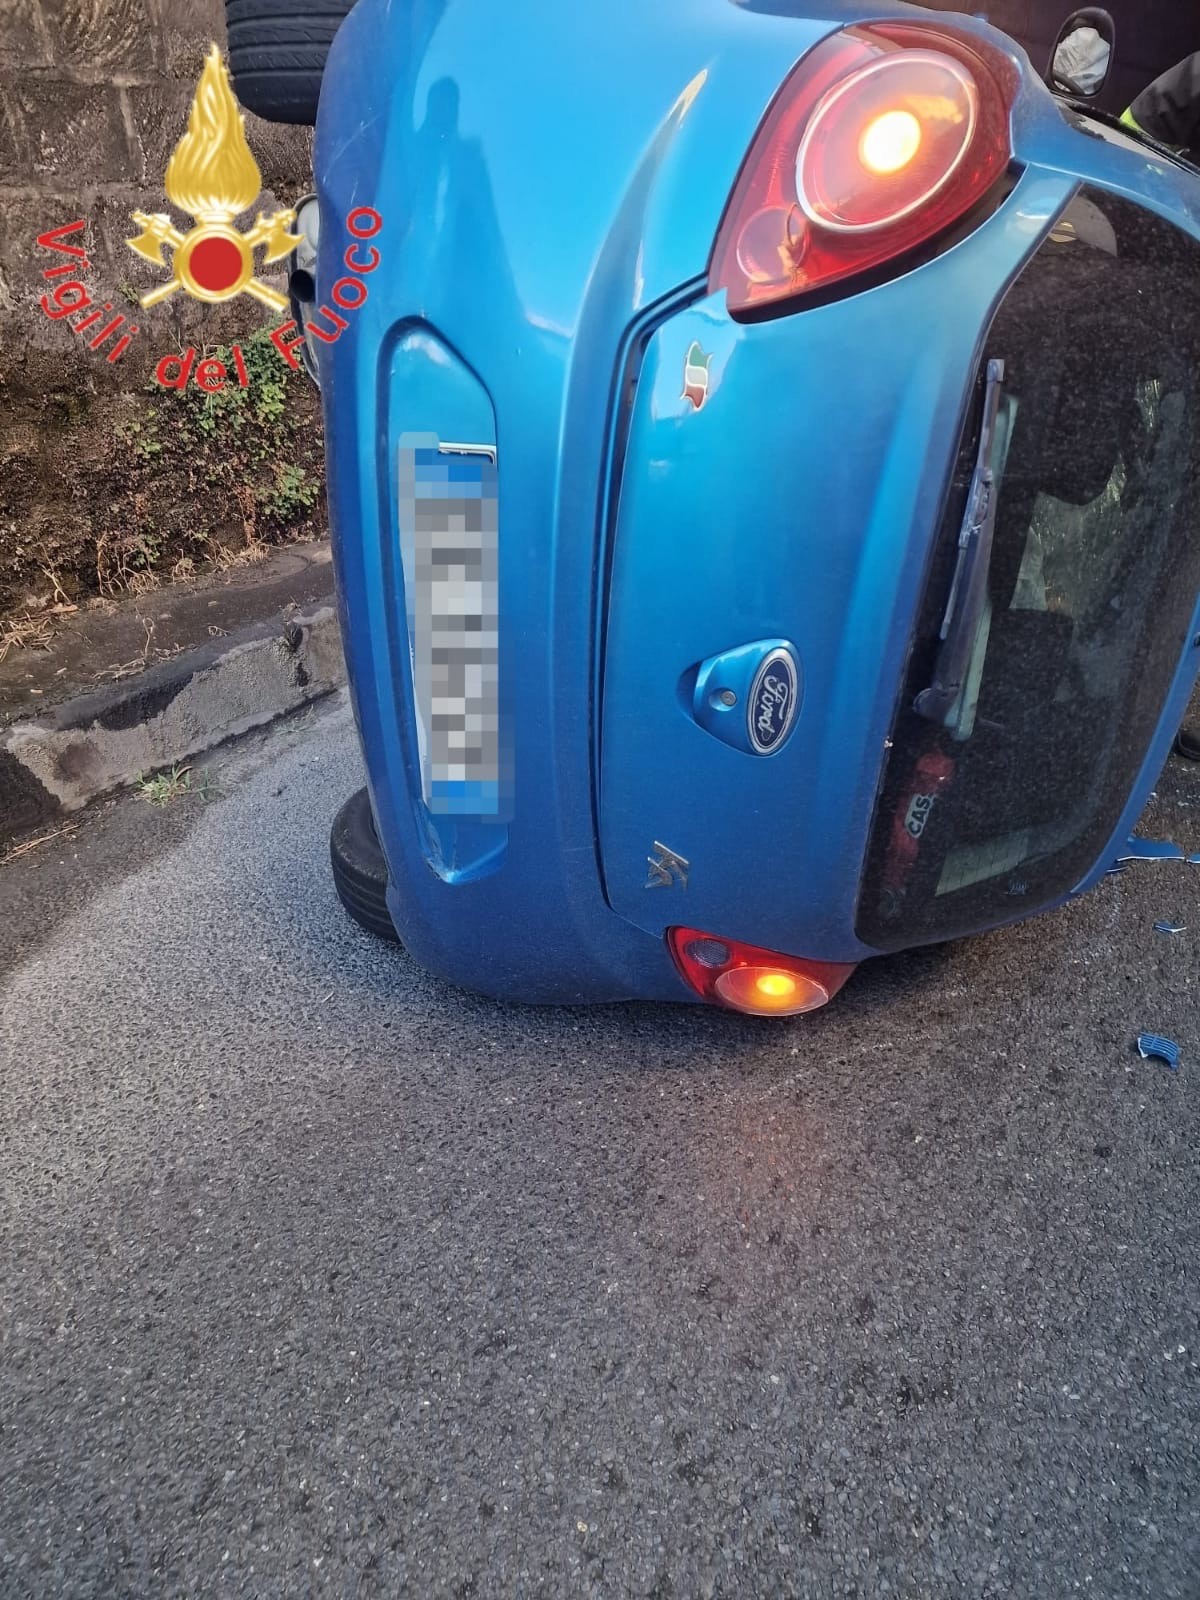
pixel 94 95
pixel 102 488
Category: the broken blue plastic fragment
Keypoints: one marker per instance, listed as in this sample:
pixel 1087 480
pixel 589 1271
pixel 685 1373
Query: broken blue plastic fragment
pixel 1170 927
pixel 1151 850
pixel 1194 860
pixel 1152 1046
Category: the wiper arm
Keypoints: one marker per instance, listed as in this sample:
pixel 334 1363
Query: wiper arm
pixel 968 591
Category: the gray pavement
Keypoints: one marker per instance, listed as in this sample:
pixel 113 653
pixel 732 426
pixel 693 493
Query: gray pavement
pixel 317 1278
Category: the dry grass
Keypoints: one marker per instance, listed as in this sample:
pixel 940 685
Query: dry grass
pixel 25 633
pixel 139 663
pixel 62 600
pixel 116 576
pixel 27 845
pixel 122 572
pixel 227 560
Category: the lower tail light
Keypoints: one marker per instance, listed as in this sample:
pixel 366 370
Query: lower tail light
pixel 882 138
pixel 759 982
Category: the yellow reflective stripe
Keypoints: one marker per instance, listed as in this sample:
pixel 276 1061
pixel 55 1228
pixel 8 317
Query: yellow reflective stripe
pixel 1128 120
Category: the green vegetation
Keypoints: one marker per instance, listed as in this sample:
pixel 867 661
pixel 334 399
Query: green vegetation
pixel 245 465
pixel 106 491
pixel 173 784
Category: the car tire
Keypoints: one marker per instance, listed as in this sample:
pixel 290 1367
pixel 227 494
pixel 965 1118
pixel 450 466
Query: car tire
pixel 277 51
pixel 360 873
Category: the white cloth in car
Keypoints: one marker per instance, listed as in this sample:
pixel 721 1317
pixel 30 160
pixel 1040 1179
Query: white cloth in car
pixel 1081 61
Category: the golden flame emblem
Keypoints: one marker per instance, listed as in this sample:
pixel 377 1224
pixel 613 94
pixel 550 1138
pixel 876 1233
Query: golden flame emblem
pixel 213 177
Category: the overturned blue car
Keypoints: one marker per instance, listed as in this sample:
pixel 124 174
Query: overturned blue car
pixel 765 483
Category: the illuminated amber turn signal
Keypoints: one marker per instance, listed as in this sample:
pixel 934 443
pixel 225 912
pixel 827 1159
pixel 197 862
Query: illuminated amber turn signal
pixel 747 978
pixel 769 991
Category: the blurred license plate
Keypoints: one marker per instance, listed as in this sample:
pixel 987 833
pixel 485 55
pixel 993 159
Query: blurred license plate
pixel 448 541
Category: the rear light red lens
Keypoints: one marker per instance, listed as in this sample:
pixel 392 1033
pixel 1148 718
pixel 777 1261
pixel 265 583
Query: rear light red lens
pixel 746 978
pixel 886 140
pixel 882 138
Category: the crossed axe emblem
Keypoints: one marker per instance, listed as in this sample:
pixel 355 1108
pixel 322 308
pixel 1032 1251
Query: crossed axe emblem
pixel 213 261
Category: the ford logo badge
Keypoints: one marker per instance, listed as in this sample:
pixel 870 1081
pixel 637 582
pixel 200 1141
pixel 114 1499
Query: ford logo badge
pixel 772 705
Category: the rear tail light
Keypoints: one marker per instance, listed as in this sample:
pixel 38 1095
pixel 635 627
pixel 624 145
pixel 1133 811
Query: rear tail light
pixel 882 138
pixel 759 982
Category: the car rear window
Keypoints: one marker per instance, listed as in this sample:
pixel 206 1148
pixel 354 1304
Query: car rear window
pixel 1007 802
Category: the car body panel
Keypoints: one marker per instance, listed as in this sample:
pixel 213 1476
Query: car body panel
pixel 812 524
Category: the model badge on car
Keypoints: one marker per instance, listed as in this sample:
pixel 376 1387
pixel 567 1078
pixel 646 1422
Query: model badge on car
pixel 667 868
pixel 771 709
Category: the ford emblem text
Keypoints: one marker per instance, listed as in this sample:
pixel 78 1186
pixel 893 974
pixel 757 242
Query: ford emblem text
pixel 771 709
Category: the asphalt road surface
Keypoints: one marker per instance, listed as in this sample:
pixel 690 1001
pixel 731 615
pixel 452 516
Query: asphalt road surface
pixel 320 1279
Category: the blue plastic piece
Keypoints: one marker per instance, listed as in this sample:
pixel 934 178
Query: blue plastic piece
pixel 1170 927
pixel 1154 1047
pixel 550 189
pixel 1151 850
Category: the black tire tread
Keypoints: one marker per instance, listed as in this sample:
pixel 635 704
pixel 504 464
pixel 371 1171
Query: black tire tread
pixel 277 53
pixel 360 873
pixel 284 13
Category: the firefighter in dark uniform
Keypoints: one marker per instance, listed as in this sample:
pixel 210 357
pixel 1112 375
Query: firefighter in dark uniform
pixel 1169 111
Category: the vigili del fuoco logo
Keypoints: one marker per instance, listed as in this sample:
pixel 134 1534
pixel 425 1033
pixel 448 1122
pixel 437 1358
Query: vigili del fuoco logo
pixel 213 177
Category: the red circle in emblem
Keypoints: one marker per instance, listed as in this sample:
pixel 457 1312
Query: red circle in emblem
pixel 215 264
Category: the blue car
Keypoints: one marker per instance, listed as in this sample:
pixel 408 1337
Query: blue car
pixel 764 464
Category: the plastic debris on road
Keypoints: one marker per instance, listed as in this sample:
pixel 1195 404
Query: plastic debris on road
pixel 1151 850
pixel 1170 927
pixel 1153 1047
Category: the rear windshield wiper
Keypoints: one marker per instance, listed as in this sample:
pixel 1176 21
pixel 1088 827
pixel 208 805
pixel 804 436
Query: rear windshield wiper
pixel 968 591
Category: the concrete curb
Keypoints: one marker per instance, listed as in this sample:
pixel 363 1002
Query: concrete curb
pixel 109 738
